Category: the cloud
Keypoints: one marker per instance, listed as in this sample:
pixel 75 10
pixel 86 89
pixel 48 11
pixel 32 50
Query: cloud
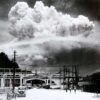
pixel 44 36
pixel 4 35
pixel 26 22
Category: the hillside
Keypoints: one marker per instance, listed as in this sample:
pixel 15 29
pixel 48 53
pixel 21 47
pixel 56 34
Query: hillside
pixel 5 62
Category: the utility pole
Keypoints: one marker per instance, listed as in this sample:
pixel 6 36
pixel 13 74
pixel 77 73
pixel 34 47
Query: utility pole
pixel 67 79
pixel 68 71
pixel 73 76
pixel 60 77
pixel 64 76
pixel 14 60
pixel 76 76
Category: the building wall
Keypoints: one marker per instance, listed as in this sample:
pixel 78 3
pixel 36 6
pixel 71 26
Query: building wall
pixel 7 80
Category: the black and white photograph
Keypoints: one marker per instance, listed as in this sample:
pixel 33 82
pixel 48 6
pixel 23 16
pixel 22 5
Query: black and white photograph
pixel 49 49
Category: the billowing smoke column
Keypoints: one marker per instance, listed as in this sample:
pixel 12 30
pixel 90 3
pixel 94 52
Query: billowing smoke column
pixel 26 22
pixel 53 37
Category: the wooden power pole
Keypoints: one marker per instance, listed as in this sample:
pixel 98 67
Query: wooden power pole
pixel 14 60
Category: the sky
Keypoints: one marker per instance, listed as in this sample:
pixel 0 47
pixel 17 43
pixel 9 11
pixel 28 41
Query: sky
pixel 41 33
pixel 87 7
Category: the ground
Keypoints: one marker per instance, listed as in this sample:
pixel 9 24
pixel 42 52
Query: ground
pixel 2 96
pixel 43 94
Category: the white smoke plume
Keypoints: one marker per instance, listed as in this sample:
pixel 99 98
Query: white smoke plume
pixel 26 22
pixel 42 32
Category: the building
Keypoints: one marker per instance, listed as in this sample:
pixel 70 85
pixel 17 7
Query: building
pixel 22 78
pixel 7 78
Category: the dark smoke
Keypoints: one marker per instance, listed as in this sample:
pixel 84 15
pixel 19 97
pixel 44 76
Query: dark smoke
pixel 82 56
pixel 86 59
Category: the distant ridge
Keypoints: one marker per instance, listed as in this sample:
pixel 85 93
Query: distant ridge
pixel 5 62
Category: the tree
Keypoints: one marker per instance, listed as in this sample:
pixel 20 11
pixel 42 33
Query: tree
pixel 5 62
